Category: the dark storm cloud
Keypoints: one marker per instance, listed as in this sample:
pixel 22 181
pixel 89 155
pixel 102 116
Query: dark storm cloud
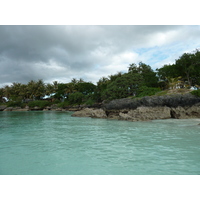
pixel 63 52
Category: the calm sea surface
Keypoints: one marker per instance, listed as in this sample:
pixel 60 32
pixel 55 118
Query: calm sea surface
pixel 34 143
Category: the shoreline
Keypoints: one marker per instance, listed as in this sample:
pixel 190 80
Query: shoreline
pixel 142 113
pixel 177 106
pixel 139 114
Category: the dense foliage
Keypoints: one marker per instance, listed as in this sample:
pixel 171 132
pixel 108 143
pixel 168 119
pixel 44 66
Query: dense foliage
pixel 139 81
pixel 186 67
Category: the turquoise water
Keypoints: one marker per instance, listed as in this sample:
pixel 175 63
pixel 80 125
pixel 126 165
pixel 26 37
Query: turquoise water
pixel 34 143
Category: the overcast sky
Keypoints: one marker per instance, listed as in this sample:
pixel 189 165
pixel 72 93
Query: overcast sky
pixel 88 52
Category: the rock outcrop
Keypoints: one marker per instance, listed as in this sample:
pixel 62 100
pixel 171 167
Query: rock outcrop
pixel 90 112
pixel 146 113
pixel 171 101
pixel 2 108
pixel 186 112
pixel 15 109
pixel 8 109
pixel 147 108
pixel 139 114
pixel 177 106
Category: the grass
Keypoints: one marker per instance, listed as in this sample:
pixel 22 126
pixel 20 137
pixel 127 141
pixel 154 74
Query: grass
pixel 173 91
pixel 162 93
pixel 196 92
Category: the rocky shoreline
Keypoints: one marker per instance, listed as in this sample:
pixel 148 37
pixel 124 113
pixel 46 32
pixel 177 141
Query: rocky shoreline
pixel 53 107
pixel 36 108
pixel 147 108
pixel 178 106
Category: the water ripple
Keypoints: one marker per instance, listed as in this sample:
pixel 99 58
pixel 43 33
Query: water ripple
pixel 56 143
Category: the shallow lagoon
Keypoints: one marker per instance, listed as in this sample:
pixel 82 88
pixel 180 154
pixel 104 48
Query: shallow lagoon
pixel 40 143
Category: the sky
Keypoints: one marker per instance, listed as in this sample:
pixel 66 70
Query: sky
pixel 62 52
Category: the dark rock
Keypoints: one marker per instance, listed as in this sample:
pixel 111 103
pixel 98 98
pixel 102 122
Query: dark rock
pixel 90 112
pixel 8 109
pixel 2 108
pixel 171 101
pixel 20 109
pixel 36 108
pixel 186 112
pixel 54 106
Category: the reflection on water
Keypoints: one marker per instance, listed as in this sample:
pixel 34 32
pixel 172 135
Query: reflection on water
pixel 56 143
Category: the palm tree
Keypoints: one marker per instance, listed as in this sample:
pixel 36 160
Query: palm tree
pixel 70 88
pixel 55 85
pixel 173 83
pixel 40 89
pixel 49 89
pixel 1 95
pixel 7 92
pixel 31 89
pixel 23 92
pixel 36 89
pixel 17 93
pixel 81 80
pixel 74 80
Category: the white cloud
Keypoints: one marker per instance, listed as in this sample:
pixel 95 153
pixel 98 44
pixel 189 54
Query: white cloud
pixel 88 52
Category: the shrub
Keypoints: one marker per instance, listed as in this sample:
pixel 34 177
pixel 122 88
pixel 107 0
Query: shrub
pixel 56 101
pixel 196 92
pixel 147 91
pixel 14 104
pixel 64 104
pixel 89 102
pixel 76 98
pixel 39 103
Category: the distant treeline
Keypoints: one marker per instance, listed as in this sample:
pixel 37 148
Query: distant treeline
pixel 140 80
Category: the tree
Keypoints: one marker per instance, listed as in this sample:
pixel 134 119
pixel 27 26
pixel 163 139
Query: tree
pixel 36 89
pixel 149 76
pixel 55 85
pixel 85 87
pixel 115 76
pixel 61 91
pixel 186 66
pixel 76 98
pixel 133 68
pixel 101 87
pixel 49 89
pixel 74 80
pixel 18 92
pixel 164 73
pixel 2 95
pixel 124 86
pixel 173 83
pixel 7 92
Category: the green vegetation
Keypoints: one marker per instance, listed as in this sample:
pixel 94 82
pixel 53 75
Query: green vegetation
pixel 15 104
pixel 39 103
pixel 186 70
pixel 64 104
pixel 196 92
pixel 162 93
pixel 140 80
pixel 76 98
pixel 147 91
